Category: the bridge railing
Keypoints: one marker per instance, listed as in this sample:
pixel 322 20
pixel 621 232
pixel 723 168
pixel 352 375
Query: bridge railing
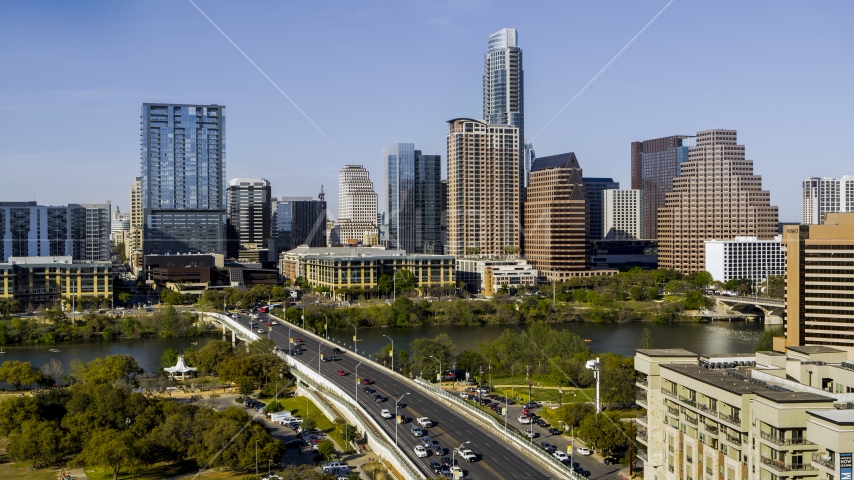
pixel 753 300
pixel 233 325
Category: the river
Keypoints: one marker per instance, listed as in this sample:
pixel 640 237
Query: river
pixel 715 337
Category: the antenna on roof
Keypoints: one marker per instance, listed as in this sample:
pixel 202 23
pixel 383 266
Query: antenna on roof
pixel 322 195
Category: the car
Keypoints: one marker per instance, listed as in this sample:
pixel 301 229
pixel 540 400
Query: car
pixel 525 411
pixel 420 451
pixel 293 443
pixel 379 398
pixel 549 447
pixel 554 431
pixel 561 456
pixel 532 405
pixel 342 373
pixel 417 431
pixel 386 413
pixel 610 460
pixel 368 390
pixel 583 451
pixel 531 433
pixel 581 471
pixel 424 422
pixel 334 358
pixel 436 467
pixel 367 381
pixel 466 454
pixel 399 403
pixel 260 330
pixel 332 466
pixel 336 350
pixel 447 461
pixel 426 441
pixel 524 420
pixel 543 423
pixel 453 471
pixel 274 322
pixel 326 359
pixel 299 340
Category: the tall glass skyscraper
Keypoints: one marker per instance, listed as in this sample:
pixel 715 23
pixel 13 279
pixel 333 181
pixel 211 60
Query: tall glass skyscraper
pixel 183 178
pixel 503 86
pixel 412 201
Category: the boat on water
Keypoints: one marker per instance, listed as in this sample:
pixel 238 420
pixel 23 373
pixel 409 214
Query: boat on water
pixel 587 340
pixel 54 350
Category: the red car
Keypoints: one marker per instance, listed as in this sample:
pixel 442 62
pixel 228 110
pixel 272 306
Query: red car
pixel 525 411
pixel 342 373
pixel 299 340
pixel 268 324
pixel 367 381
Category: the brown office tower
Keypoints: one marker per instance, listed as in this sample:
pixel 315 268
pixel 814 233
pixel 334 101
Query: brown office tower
pixel 556 216
pixel 716 197
pixel 820 283
pixel 484 186
pixel 655 163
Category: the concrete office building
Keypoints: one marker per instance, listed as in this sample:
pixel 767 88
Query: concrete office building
pixel 820 283
pixel 745 257
pixel 357 208
pixel 556 220
pixel 120 223
pixel 412 200
pixel 300 221
pixel 655 163
pixel 622 214
pixel 249 209
pixel 134 244
pixel 81 231
pixel 748 416
pixel 484 188
pixel 825 195
pixel 717 197
pixel 595 188
pixel 183 178
pixel 487 276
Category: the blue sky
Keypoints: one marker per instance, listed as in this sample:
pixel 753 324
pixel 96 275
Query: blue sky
pixel 370 74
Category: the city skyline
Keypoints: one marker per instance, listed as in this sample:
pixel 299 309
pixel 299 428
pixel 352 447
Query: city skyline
pixel 87 61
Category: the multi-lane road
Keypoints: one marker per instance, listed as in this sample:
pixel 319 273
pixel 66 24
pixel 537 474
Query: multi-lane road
pixel 451 429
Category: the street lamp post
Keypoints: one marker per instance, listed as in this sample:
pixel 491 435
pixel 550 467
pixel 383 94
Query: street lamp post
pixel 326 325
pixel 453 454
pixel 528 379
pixel 392 351
pixel 256 458
pixel 355 338
pixel 440 370
pixel 289 339
pixel 560 397
pixel 356 391
pixel 506 409
pixel 594 365
pixel 395 416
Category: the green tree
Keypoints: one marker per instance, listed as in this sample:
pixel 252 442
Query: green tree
pixel 695 300
pixel 765 342
pixel 652 293
pixel 208 358
pixel 384 284
pixel 602 432
pixel 703 279
pixel 245 385
pixel 169 358
pixel 15 411
pixel 308 424
pixel 327 450
pixel 111 368
pixel 17 373
pixel 404 281
pixel 348 432
pixel 636 292
pixel 125 297
pixel 572 414
pixel 37 440
pixel 274 406
pixel 110 448
pixel 617 382
pixel 646 340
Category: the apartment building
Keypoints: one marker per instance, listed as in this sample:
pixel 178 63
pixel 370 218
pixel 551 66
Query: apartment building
pixel 48 280
pixel 716 197
pixel 622 214
pixel 762 416
pixel 820 283
pixel 745 257
pixel 594 188
pixel 249 210
pixel 826 195
pixel 357 208
pixel 484 188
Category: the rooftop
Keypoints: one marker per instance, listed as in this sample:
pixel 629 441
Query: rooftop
pixel 665 352
pixel 794 397
pixel 563 160
pixel 815 349
pixel 772 353
pixel 839 417
pixel 717 378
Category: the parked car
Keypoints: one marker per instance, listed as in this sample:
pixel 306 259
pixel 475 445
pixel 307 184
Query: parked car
pixel 549 447
pixel 554 431
pixel 561 456
pixel 583 451
pixel 524 420
pixel 611 460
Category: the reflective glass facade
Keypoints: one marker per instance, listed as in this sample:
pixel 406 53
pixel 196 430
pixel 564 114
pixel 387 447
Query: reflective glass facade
pixel 412 201
pixel 183 169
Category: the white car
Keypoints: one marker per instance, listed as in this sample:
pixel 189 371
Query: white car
pixel 420 451
pixel 563 457
pixel 424 422
pixel 524 420
pixel 583 451
pixel 274 322
pixel 454 471
pixel 467 455
pixel 260 330
pixel 385 413
pixel 531 433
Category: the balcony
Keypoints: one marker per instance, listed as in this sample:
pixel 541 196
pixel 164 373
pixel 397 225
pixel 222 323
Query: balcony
pixel 640 399
pixel 824 460
pixel 674 411
pixel 730 419
pixel 782 466
pixel 710 429
pixel 642 382
pixel 643 455
pixel 642 436
pixel 642 420
pixel 690 420
pixel 688 401
pixel 785 441
pixel 668 393
pixel 733 440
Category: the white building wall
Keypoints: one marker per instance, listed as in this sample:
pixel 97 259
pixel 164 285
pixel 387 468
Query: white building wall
pixel 622 214
pixel 745 257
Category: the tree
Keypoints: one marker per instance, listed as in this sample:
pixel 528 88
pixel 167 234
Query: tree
pixel 37 440
pixel 572 414
pixel 17 373
pixel 636 292
pixel 110 368
pixel 208 358
pixel 404 280
pixel 617 382
pixel 110 448
pixel 652 293
pixel 579 295
pixel 695 300
pixel 245 385
pixel 53 370
pixel 703 279
pixel 384 284
pixel 646 340
pixel 348 432
pixel 602 432
pixel 308 424
pixel 765 342
pixel 169 358
pixel 327 449
pixel 273 407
